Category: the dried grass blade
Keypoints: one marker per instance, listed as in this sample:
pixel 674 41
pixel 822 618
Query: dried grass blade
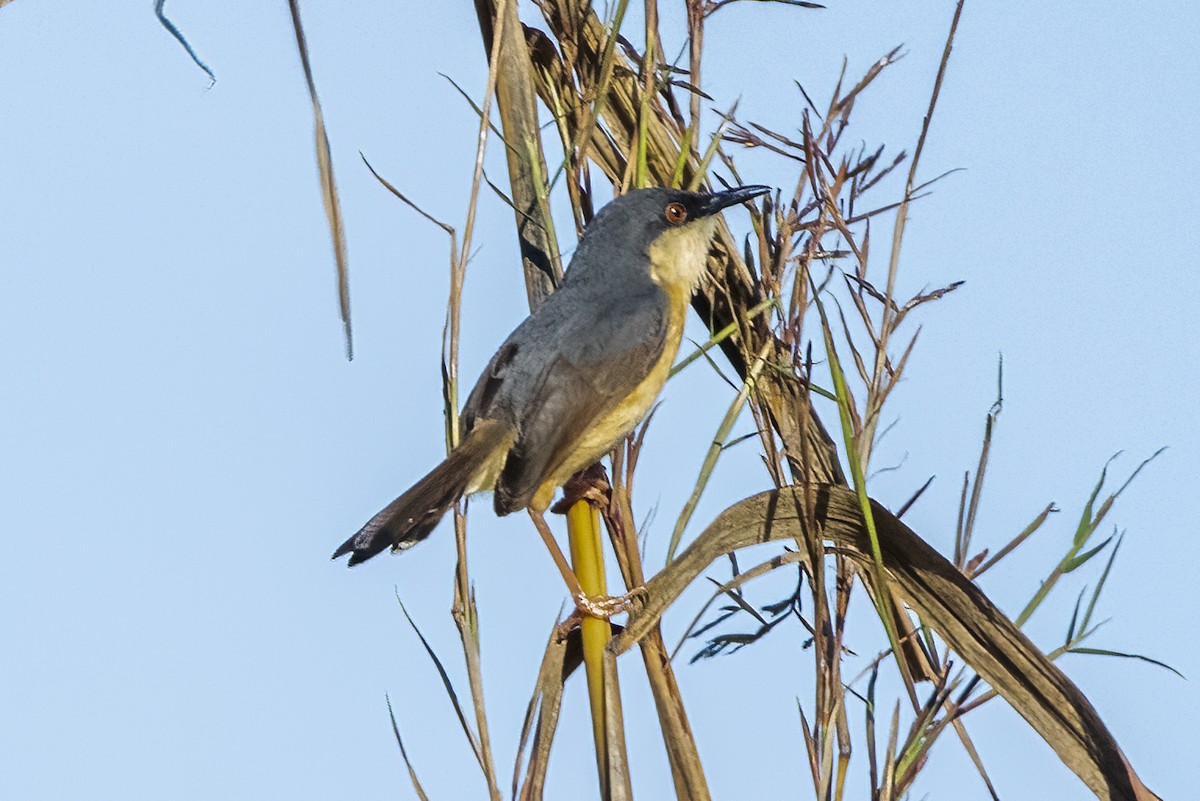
pixel 915 496
pixel 472 740
pixel 810 747
pixel 412 774
pixel 329 195
pixel 717 5
pixel 619 783
pixel 1106 652
pixel 547 699
pixel 475 107
pixel 387 185
pixel 973 753
pixel 886 324
pixel 1017 540
pixel 714 147
pixel 687 770
pixel 977 489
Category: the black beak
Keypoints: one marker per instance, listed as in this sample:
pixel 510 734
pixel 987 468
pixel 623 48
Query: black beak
pixel 720 200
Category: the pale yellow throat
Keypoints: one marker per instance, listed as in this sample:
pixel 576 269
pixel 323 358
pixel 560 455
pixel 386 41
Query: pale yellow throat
pixel 678 257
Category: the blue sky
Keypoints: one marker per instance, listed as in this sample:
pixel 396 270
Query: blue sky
pixel 184 444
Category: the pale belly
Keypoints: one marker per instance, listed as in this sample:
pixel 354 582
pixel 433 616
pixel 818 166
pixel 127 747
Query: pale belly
pixel 606 431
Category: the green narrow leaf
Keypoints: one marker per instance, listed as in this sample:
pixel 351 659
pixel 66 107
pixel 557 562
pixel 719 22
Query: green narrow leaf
pixel 1076 562
pixel 1086 524
pixel 720 336
pixel 714 450
pixel 872 757
pixel 1075 616
pixel 842 391
pixel 960 558
pixel 1087 616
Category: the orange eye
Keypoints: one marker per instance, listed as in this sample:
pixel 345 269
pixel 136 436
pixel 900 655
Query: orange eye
pixel 675 213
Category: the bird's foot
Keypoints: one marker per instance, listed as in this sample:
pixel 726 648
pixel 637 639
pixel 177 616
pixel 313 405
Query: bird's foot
pixel 605 606
pixel 589 485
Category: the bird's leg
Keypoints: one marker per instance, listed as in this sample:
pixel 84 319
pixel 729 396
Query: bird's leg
pixel 601 606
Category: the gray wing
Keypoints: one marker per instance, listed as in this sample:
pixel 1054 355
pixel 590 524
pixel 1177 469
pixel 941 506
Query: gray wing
pixel 557 375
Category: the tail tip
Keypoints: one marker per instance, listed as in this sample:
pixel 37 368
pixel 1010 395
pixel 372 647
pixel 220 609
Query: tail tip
pixel 361 548
pixel 379 535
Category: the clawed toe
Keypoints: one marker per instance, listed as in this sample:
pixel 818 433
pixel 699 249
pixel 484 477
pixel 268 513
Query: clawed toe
pixel 605 606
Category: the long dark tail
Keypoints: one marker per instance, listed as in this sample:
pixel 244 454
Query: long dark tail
pixel 411 517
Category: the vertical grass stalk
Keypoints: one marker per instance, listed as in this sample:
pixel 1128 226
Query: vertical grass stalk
pixel 587 560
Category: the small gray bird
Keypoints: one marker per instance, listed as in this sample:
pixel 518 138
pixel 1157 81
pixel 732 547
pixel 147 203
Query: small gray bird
pixel 576 376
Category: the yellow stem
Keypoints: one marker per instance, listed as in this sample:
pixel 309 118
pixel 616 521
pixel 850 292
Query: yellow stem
pixel 587 559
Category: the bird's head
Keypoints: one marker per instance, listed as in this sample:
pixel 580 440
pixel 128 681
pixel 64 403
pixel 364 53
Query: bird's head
pixel 663 232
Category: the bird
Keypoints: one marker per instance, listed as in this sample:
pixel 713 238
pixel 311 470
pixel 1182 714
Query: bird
pixel 575 377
